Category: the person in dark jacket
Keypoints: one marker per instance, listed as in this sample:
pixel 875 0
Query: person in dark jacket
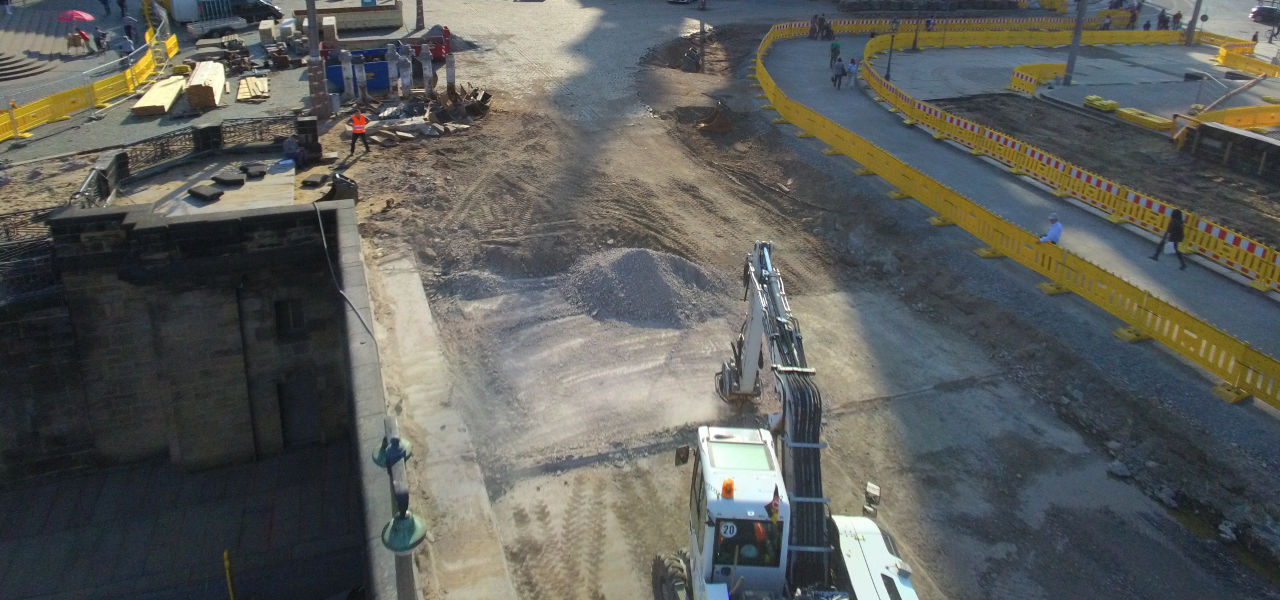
pixel 1173 235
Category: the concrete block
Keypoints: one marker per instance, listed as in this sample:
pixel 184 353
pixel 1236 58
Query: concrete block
pixel 329 27
pixel 267 31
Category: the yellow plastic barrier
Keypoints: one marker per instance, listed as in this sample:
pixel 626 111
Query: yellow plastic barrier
pixel 1266 115
pixel 1247 64
pixel 1100 103
pixel 1145 119
pixel 1245 370
pixel 61 105
pixel 1027 77
pixel 1122 204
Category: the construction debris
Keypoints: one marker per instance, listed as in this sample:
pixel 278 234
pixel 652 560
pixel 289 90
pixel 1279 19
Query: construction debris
pixel 253 89
pixel 715 122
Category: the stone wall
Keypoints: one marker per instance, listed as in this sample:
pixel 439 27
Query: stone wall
pixel 211 340
pixel 42 426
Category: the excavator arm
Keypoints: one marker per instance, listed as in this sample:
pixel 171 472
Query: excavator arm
pixel 771 325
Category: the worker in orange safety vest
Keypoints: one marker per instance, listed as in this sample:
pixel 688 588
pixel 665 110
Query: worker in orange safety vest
pixel 358 123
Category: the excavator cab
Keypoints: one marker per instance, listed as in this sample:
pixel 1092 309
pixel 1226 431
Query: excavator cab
pixel 739 515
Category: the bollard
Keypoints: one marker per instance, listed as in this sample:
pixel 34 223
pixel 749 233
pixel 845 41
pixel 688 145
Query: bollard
pixel 348 85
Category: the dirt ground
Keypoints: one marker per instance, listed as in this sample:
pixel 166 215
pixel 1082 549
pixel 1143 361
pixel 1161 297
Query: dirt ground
pixel 41 184
pixel 1147 162
pixel 962 410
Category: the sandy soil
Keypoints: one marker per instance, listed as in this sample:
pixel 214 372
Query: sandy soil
pixel 43 183
pixel 1149 163
pixel 994 442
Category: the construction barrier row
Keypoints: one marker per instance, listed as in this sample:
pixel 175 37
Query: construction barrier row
pixel 1246 63
pixel 1027 77
pixel 910 26
pixel 1246 371
pixel 1244 117
pixel 1122 204
pixel 60 106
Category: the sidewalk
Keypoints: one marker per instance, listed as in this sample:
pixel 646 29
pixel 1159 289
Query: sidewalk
pixel 800 69
pixel 33 32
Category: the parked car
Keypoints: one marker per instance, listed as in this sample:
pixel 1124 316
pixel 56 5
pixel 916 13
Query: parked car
pixel 256 10
pixel 252 11
pixel 1266 14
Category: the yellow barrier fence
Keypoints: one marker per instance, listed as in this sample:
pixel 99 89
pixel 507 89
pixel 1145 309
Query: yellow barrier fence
pixel 1246 63
pixel 1122 204
pixel 1246 371
pixel 60 106
pixel 1027 77
pixel 1244 117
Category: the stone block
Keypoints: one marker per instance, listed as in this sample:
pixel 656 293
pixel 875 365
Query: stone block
pixel 267 31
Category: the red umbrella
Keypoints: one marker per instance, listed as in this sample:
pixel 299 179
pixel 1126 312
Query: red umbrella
pixel 75 15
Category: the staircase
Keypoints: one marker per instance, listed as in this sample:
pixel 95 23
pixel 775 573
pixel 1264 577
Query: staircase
pixel 17 67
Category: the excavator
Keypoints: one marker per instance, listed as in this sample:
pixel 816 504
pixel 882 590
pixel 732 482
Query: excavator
pixel 759 526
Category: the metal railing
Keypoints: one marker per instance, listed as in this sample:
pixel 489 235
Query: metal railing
pixel 57 100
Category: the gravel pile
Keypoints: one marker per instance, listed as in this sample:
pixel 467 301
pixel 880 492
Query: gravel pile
pixel 644 287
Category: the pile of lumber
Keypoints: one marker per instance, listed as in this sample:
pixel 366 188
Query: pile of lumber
pixel 160 98
pixel 204 89
pixel 253 89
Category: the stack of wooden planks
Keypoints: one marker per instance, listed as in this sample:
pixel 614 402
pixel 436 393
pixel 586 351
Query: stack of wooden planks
pixel 204 89
pixel 160 98
pixel 253 89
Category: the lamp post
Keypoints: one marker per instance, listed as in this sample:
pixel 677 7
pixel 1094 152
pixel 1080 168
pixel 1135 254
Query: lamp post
pixel 915 40
pixel 893 31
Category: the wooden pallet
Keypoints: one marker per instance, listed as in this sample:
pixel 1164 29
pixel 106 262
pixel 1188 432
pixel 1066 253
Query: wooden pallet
pixel 253 89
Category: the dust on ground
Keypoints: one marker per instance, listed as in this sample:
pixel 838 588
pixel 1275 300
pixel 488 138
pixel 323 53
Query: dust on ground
pixel 1145 161
pixel 42 183
pixel 964 411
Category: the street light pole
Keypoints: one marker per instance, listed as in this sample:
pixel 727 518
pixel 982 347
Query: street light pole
pixel 1191 25
pixel 1081 7
pixel 893 31
pixel 915 41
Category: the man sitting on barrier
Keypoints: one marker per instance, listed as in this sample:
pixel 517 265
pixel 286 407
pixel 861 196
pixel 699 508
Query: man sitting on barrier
pixel 1055 230
pixel 294 151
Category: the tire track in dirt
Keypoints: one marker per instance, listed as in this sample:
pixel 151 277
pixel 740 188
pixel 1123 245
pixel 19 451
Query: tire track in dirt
pixel 637 493
pixel 558 556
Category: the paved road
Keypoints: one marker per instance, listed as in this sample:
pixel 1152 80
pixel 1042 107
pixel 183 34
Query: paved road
pixel 800 69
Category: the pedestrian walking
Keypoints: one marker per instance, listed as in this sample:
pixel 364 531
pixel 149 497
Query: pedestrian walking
pixel 358 123
pixel 8 6
pixel 813 27
pixel 837 72
pixel 1173 236
pixel 853 69
pixel 1106 23
pixel 1147 26
pixel 1255 37
pixel 99 40
pixel 835 53
pixel 1054 235
pixel 123 7
pixel 106 6
pixel 130 28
